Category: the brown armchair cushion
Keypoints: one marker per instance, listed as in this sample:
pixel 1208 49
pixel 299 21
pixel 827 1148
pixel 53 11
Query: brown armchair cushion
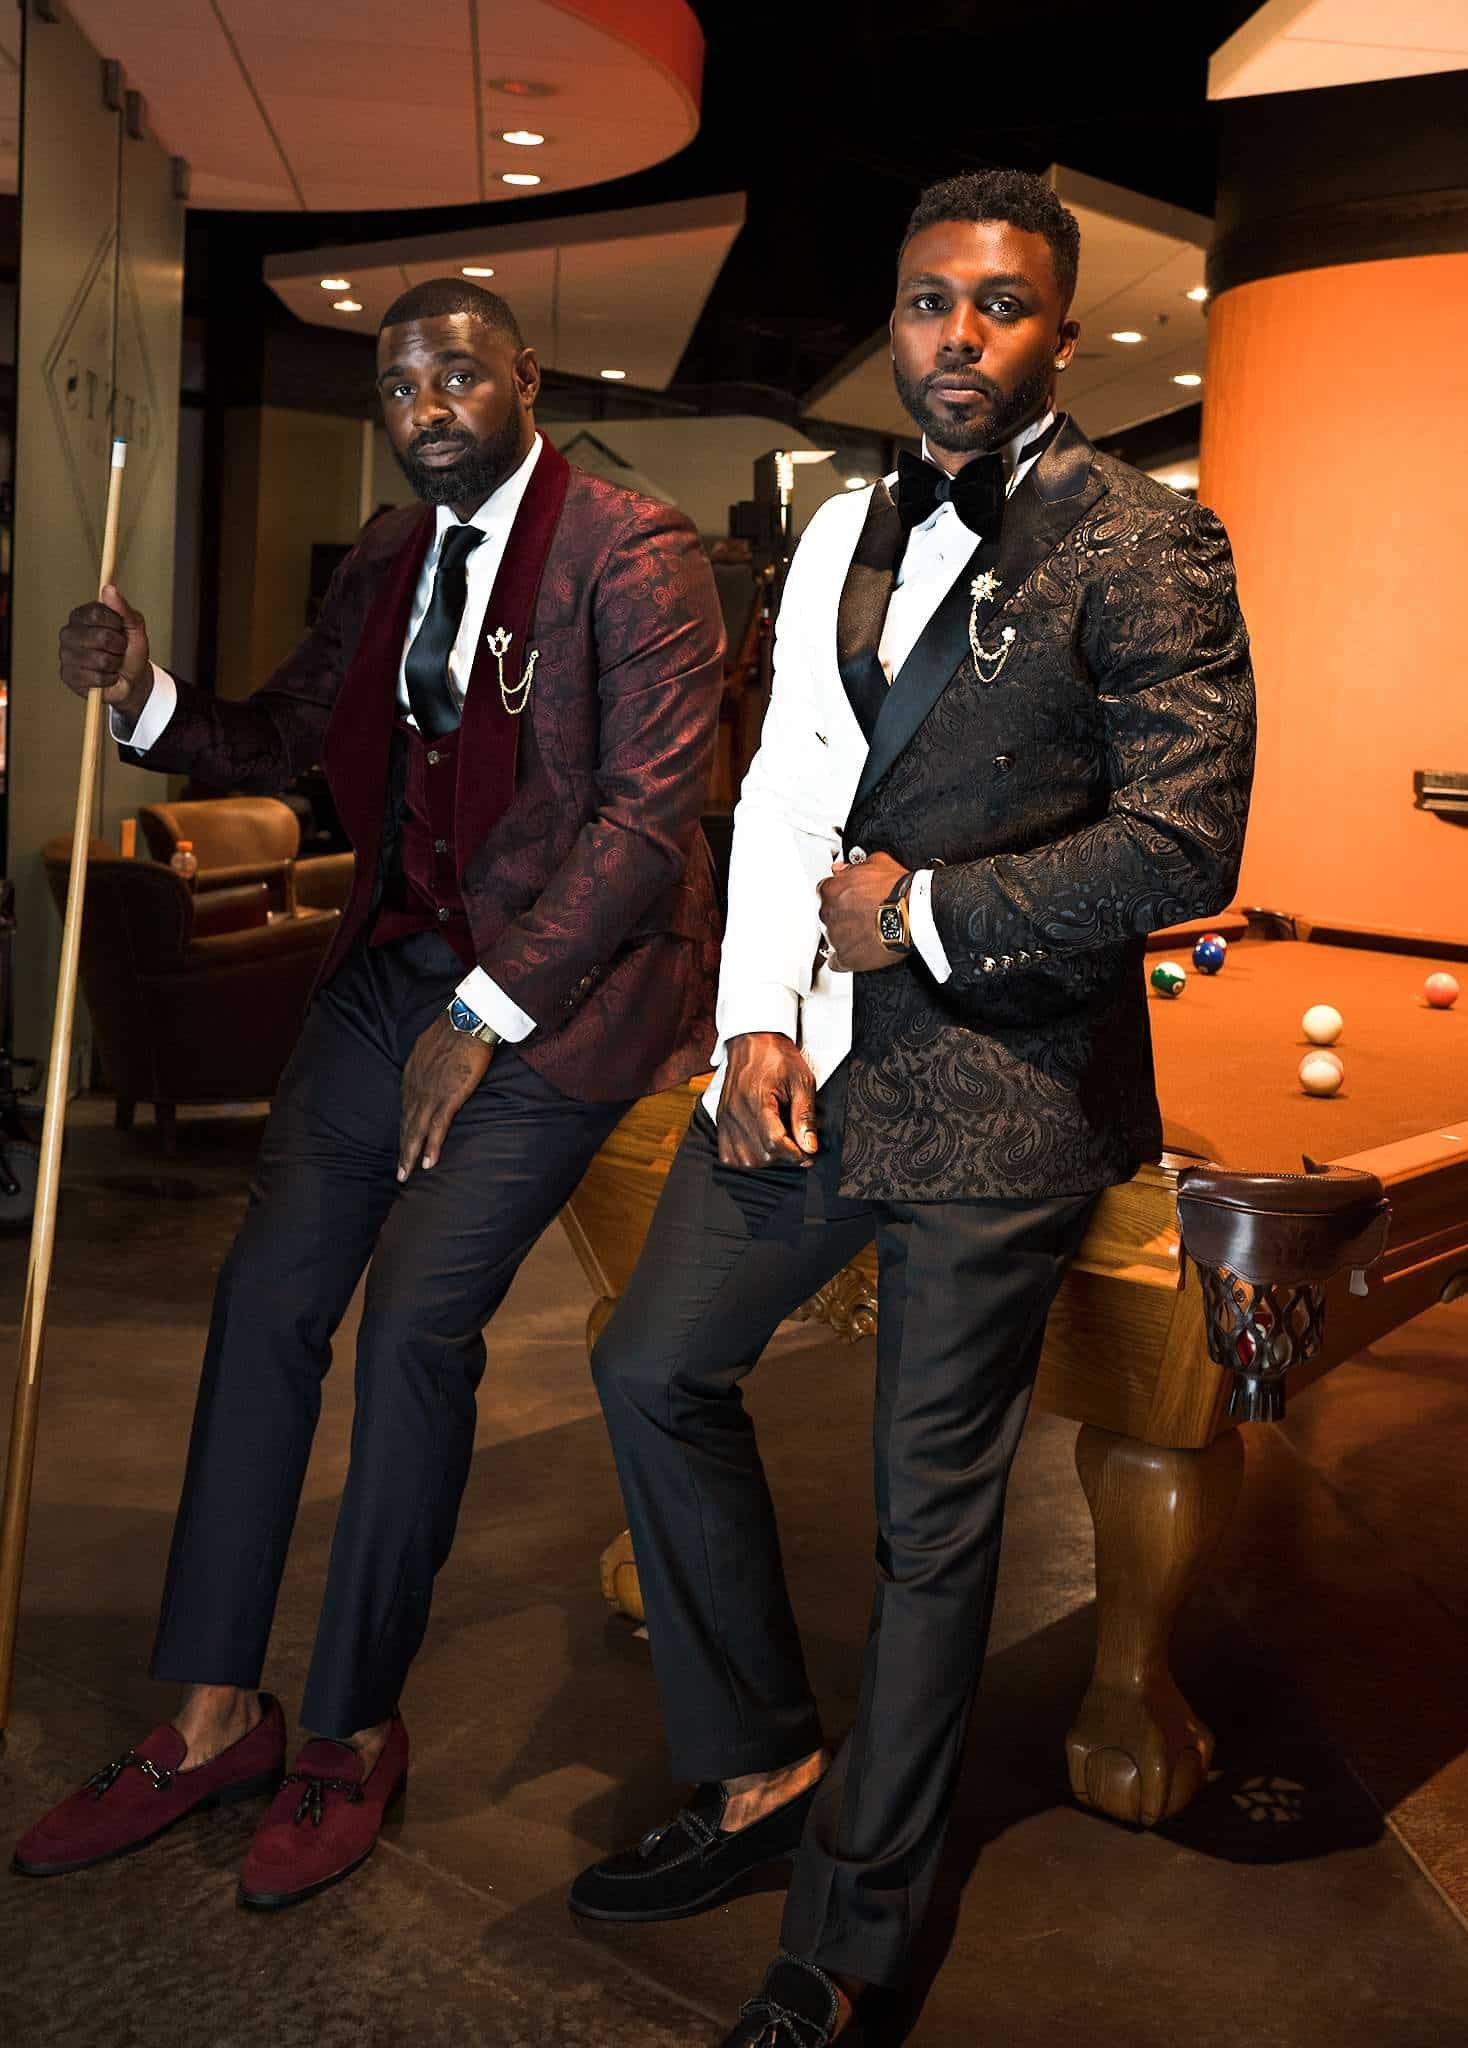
pixel 225 832
pixel 236 839
pixel 180 1016
pixel 325 881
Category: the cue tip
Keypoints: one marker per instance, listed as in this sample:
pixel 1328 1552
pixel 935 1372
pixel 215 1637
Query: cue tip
pixel 119 450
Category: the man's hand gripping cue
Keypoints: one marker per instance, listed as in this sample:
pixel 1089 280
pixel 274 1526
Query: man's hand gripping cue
pixel 444 1068
pixel 104 646
pixel 767 1111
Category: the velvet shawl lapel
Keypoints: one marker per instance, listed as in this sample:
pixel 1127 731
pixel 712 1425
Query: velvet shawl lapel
pixel 1057 491
pixel 359 735
pixel 489 737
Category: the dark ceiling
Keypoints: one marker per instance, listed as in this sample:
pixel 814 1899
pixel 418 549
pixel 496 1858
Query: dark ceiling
pixel 831 117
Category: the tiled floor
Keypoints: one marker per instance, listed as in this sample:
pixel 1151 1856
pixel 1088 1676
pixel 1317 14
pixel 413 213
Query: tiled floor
pixel 1330 1651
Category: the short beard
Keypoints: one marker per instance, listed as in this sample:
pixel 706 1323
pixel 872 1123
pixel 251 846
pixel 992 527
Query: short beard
pixel 1010 411
pixel 480 470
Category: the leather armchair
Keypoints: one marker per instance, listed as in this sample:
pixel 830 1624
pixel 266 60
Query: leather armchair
pixel 241 839
pixel 190 1001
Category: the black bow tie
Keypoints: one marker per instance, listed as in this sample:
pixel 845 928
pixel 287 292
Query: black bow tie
pixel 976 493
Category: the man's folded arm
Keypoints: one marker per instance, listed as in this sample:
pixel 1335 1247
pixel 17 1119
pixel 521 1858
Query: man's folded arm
pixel 659 647
pixel 1170 654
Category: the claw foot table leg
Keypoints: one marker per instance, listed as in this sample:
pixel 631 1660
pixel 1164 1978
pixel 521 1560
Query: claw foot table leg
pixel 1138 1751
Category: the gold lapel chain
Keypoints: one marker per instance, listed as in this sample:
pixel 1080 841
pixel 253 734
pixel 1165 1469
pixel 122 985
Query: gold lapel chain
pixel 514 696
pixel 986 665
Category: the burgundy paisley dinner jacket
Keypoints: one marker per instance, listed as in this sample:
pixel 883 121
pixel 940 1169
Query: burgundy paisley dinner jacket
pixel 590 898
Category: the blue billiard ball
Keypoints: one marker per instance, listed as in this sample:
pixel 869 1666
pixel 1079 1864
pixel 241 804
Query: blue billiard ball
pixel 1210 953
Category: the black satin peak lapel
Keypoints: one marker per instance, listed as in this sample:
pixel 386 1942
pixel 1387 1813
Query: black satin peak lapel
pixel 924 676
pixel 1056 492
pixel 1061 486
pixel 862 609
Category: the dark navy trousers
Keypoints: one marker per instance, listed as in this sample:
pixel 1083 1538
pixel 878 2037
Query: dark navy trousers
pixel 964 1288
pixel 443 1248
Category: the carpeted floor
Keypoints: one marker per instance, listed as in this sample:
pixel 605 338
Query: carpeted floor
pixel 1330 1650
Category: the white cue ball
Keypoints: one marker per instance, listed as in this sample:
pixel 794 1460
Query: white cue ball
pixel 1321 1073
pixel 1322 1025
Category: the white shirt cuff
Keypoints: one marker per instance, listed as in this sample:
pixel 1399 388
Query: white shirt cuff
pixel 153 717
pixel 492 1006
pixel 759 1006
pixel 923 926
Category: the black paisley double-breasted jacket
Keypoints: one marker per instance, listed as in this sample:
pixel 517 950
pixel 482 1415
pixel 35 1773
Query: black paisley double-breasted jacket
pixel 1084 784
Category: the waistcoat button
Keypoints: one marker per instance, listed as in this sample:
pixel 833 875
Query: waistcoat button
pixel 440 846
pixel 433 757
pixel 443 914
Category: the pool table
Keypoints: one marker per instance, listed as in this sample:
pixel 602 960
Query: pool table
pixel 1126 1351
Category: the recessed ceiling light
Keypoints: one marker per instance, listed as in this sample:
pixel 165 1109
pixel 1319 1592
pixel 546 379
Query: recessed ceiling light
pixel 523 138
pixel 614 376
pixel 1188 378
pixel 346 305
pixel 476 270
pixel 1128 334
pixel 856 483
pixel 518 178
pixel 1198 294
pixel 522 88
pixel 336 284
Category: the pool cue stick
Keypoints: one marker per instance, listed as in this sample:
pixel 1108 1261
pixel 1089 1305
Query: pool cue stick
pixel 26 1413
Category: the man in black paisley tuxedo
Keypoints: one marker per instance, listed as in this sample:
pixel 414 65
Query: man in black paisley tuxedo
pixel 1011 733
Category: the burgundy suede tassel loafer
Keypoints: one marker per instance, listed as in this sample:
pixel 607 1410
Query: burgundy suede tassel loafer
pixel 129 1803
pixel 324 1822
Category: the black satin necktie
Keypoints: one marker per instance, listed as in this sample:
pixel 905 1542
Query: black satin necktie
pixel 426 666
pixel 977 492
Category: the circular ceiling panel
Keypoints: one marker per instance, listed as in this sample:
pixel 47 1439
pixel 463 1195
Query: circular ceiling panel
pixel 376 106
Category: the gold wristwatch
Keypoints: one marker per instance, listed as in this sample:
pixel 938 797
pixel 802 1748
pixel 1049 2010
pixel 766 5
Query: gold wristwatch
pixel 893 928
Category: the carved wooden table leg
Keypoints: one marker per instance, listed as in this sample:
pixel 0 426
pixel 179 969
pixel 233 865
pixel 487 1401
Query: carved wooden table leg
pixel 1137 1750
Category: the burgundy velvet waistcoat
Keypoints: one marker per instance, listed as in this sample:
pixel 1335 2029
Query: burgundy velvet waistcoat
pixel 422 891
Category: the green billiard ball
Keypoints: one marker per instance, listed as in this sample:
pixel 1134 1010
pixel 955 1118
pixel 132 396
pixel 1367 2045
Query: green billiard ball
pixel 1168 978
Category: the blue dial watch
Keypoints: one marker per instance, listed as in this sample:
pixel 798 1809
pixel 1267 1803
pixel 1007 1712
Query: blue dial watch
pixel 472 1026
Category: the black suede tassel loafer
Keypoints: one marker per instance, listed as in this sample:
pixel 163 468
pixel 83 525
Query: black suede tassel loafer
pixel 797 2007
pixel 690 1863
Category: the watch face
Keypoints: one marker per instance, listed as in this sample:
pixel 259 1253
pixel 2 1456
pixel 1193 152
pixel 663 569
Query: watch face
pixel 461 1016
pixel 889 924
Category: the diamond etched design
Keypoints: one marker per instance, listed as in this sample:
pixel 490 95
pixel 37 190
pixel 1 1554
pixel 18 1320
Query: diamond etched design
pixel 99 382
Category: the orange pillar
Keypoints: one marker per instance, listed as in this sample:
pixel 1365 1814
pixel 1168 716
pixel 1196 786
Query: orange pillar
pixel 1335 448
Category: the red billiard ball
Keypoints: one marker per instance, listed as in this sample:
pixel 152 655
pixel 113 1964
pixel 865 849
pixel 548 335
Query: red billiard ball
pixel 1441 991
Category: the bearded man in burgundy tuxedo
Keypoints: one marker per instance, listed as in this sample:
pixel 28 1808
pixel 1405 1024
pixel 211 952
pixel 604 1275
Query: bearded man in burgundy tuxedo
pixel 513 690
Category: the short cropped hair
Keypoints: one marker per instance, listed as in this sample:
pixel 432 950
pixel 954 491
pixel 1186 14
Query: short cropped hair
pixel 1019 197
pixel 439 295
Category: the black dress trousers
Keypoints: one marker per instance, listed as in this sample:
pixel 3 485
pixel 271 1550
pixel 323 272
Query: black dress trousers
pixel 444 1247
pixel 964 1289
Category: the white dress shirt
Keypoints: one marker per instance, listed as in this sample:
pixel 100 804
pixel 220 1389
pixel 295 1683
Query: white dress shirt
pixel 935 553
pixel 494 518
